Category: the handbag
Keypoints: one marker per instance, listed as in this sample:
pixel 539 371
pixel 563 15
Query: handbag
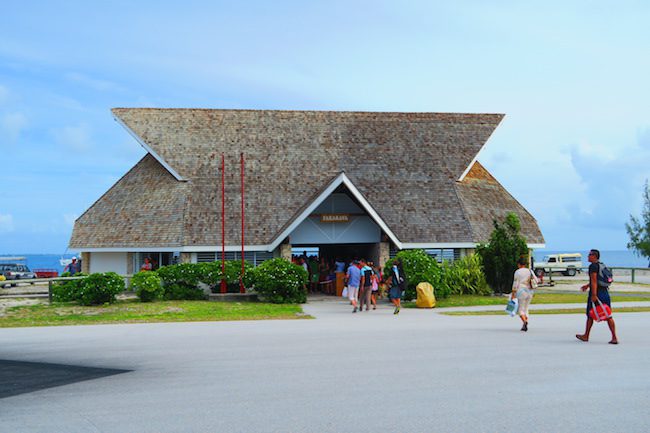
pixel 600 312
pixel 533 280
pixel 345 292
pixel 511 307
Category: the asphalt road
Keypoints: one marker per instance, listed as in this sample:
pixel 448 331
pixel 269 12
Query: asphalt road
pixel 365 372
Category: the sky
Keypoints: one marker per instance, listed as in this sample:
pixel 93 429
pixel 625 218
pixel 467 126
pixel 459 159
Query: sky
pixel 571 78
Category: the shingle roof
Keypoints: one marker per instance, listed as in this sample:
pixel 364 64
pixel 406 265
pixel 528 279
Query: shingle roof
pixel 413 159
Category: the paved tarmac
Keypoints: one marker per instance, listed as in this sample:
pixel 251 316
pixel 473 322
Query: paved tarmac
pixel 367 372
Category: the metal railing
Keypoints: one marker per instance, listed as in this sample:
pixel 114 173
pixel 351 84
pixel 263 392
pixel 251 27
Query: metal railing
pixel 50 282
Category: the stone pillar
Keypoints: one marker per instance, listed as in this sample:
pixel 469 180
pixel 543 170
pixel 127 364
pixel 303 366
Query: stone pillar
pixel 130 263
pixel 186 257
pixel 384 253
pixel 285 251
pixel 85 263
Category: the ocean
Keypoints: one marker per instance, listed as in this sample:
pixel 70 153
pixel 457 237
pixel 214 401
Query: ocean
pixel 42 261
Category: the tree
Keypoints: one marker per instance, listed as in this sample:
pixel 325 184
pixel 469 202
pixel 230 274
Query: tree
pixel 639 228
pixel 501 253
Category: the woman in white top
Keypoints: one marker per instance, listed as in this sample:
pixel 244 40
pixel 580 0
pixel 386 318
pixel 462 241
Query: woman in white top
pixel 522 288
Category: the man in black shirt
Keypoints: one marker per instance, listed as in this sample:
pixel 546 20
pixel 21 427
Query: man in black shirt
pixel 596 294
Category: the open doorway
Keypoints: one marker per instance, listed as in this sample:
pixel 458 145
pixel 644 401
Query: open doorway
pixel 320 261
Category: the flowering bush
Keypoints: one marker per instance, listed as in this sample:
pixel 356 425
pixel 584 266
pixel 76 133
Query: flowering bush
pixel 181 281
pixel 211 274
pixel 279 281
pixel 148 286
pixel 67 291
pixel 100 288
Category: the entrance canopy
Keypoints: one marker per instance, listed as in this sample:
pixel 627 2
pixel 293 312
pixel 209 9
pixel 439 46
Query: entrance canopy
pixel 337 220
pixel 340 214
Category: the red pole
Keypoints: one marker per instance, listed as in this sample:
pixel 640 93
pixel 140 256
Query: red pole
pixel 242 289
pixel 223 225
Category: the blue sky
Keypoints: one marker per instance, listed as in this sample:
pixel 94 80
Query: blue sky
pixel 571 77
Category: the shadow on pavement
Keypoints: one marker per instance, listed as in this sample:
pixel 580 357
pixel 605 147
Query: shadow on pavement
pixel 19 377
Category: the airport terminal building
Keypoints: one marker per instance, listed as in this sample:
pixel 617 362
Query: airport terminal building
pixel 348 184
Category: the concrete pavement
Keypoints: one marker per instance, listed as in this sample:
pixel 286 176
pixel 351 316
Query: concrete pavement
pixel 365 372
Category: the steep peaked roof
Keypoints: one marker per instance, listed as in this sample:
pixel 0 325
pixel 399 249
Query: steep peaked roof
pixel 406 166
pixel 485 200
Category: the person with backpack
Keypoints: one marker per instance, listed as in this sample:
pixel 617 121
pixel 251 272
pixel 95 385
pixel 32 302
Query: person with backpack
pixel 365 287
pixel 397 285
pixel 600 277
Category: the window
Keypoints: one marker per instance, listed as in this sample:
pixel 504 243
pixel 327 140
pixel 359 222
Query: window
pixel 254 257
pixel 157 260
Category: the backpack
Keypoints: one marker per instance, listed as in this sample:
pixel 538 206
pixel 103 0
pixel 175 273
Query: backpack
pixel 605 276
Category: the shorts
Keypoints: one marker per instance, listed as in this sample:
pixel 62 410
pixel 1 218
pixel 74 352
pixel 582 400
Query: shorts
pixel 395 293
pixel 603 295
pixel 353 293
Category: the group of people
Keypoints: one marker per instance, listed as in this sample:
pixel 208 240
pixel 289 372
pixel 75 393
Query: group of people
pixel 363 279
pixel 525 281
pixel 318 270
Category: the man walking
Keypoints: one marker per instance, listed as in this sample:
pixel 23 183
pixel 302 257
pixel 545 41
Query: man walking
pixel 365 286
pixel 354 278
pixel 598 291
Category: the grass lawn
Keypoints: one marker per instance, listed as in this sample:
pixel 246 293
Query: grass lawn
pixel 554 311
pixel 539 298
pixel 134 311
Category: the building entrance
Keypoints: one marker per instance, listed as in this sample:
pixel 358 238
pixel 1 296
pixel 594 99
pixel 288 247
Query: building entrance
pixel 321 259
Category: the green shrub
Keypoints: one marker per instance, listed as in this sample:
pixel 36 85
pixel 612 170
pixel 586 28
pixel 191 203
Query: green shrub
pixel 148 286
pixel 465 276
pixel 181 281
pixel 67 291
pixel 279 281
pixel 100 288
pixel 419 267
pixel 180 291
pixel 500 254
pixel 211 274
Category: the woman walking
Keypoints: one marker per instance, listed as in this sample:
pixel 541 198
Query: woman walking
pixel 376 278
pixel 522 288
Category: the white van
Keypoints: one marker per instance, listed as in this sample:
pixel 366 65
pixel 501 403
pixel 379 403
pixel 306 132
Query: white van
pixel 569 264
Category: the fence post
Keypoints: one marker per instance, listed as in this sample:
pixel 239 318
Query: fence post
pixel 49 291
pixel 632 274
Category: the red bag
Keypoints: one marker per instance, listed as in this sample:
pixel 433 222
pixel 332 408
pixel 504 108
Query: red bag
pixel 600 312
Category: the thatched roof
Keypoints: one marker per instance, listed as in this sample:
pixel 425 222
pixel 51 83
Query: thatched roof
pixel 412 168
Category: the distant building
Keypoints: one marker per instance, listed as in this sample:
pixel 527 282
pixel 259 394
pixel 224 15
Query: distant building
pixel 350 183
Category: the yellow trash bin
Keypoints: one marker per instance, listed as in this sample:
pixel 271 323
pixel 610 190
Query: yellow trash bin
pixel 426 298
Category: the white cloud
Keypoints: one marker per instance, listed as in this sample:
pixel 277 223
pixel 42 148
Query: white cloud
pixel 74 137
pixel 93 83
pixel 13 124
pixel 6 223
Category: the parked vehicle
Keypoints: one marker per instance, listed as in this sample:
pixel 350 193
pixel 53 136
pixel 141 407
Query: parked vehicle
pixel 46 273
pixel 569 264
pixel 16 271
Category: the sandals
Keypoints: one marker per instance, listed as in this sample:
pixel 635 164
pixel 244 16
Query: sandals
pixel 582 337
